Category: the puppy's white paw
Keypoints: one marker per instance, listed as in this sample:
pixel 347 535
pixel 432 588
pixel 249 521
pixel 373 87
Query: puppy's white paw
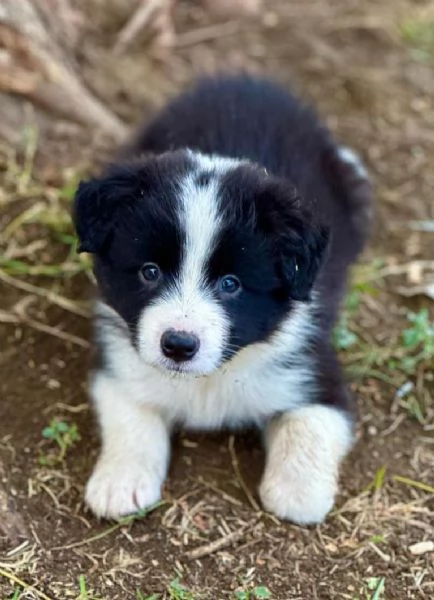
pixel 303 498
pixel 117 489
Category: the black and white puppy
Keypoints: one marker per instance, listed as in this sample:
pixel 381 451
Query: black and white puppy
pixel 221 246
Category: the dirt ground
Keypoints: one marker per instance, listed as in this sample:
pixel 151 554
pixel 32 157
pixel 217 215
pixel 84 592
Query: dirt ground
pixel 368 68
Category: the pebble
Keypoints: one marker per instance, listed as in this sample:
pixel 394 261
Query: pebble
pixel 421 548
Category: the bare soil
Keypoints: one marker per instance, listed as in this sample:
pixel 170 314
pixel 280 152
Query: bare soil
pixel 375 88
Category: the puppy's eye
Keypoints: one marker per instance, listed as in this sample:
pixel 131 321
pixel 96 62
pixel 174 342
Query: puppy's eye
pixel 229 284
pixel 150 273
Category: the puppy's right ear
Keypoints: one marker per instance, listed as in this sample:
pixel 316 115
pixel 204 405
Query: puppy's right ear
pixel 94 212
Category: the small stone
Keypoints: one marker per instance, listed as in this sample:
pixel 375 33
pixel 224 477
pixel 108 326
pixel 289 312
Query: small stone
pixel 270 19
pixel 53 384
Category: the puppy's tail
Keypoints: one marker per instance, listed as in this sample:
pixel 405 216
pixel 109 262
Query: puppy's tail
pixel 351 182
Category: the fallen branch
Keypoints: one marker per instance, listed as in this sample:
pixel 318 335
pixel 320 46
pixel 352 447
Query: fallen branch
pixel 36 66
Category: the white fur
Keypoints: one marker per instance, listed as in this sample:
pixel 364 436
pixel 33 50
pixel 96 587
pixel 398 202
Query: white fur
pixel 214 162
pixel 135 452
pixel 232 395
pixel 304 450
pixel 352 158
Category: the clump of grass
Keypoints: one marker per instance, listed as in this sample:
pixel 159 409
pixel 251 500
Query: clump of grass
pixel 85 593
pixel 40 211
pixel 405 364
pixel 344 336
pixel 374 589
pixel 179 592
pixel 377 586
pixel 416 361
pixel 175 589
pixel 378 481
pixel 65 435
pixel 418 339
pixel 257 593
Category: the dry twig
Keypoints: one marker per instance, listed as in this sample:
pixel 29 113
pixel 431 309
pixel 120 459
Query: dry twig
pixel 147 11
pixel 35 65
pixel 221 543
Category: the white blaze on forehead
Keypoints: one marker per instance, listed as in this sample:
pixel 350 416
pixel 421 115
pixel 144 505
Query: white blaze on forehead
pixel 201 219
pixel 201 224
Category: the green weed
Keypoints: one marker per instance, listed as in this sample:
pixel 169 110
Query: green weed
pixel 419 338
pixel 85 594
pixel 42 208
pixel 178 592
pixel 64 435
pixel 377 585
pixel 344 336
pixel 257 593
pixel 374 589
pixel 378 481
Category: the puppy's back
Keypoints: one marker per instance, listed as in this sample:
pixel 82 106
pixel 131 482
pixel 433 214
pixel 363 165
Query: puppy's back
pixel 240 117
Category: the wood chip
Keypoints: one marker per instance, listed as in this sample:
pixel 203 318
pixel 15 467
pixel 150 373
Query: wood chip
pixel 421 548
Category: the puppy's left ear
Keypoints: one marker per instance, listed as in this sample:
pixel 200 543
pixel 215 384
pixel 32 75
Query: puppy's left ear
pixel 303 249
pixel 299 240
pixel 302 253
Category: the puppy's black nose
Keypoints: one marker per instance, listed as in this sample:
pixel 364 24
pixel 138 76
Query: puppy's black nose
pixel 179 345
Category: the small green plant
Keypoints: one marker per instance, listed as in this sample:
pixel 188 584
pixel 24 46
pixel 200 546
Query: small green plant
pixel 374 590
pixel 64 435
pixel 418 350
pixel 377 586
pixel 378 482
pixel 257 593
pixel 141 596
pixel 343 336
pixel 420 336
pixel 85 594
pixel 178 592
pixel 68 191
pixel 17 594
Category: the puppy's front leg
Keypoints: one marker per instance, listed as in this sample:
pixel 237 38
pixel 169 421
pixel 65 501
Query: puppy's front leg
pixel 304 449
pixel 135 452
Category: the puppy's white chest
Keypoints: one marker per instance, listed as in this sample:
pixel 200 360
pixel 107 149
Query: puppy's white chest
pixel 249 389
pixel 230 398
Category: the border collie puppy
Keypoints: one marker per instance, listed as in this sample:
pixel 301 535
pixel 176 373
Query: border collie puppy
pixel 221 245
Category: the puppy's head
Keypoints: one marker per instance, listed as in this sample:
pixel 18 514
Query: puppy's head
pixel 201 256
